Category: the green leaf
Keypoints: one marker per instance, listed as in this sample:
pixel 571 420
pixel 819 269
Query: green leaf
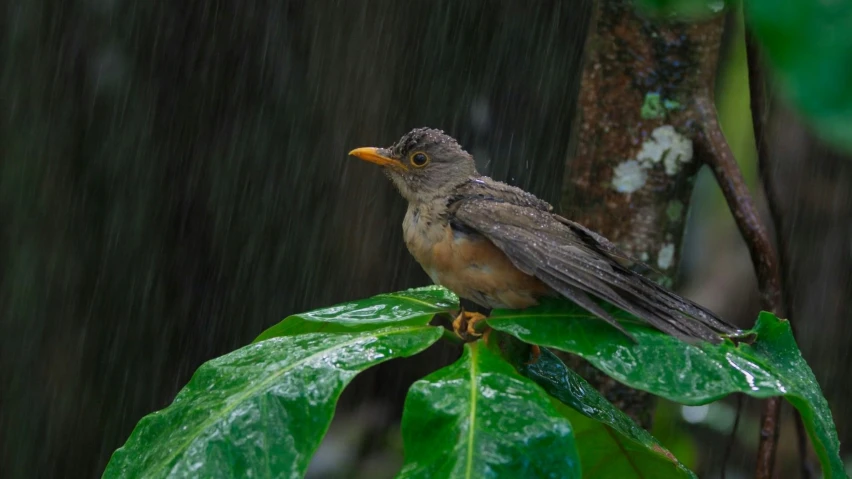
pixel 809 45
pixel 673 433
pixel 609 442
pixel 687 373
pixel 479 418
pixel 412 307
pixel 683 9
pixel 260 411
pixel 776 345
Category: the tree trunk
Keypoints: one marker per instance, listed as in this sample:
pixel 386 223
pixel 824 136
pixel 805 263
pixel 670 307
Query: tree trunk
pixel 632 176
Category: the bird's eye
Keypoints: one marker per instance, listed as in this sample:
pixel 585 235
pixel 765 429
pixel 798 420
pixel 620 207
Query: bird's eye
pixel 419 159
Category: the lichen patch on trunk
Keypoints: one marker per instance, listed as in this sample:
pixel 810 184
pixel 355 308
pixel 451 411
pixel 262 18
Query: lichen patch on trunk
pixel 665 258
pixel 628 176
pixel 668 146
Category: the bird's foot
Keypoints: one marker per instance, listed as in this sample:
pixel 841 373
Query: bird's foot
pixel 465 325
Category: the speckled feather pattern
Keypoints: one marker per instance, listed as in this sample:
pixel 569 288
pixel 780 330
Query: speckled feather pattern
pixel 423 138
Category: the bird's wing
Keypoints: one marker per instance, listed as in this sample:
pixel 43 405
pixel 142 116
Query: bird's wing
pixel 575 261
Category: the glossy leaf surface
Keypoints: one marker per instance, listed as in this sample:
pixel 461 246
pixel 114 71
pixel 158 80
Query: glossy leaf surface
pixel 686 373
pixel 611 445
pixel 413 307
pixel 262 410
pixel 479 418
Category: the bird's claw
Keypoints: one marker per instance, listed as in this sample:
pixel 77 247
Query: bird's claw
pixel 465 325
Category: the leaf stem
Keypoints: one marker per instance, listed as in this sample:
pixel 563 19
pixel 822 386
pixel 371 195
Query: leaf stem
pixel 471 434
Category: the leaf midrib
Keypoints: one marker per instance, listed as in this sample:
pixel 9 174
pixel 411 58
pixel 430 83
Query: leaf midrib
pixel 413 300
pixel 163 465
pixel 473 398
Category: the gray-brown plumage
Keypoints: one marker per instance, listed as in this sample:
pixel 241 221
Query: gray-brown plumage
pixel 501 247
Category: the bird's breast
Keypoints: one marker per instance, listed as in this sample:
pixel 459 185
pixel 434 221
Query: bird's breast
pixel 467 263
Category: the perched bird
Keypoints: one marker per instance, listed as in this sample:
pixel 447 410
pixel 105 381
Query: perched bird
pixel 501 247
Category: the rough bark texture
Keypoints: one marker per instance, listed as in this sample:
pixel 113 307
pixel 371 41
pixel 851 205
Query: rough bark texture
pixel 634 67
pixel 632 176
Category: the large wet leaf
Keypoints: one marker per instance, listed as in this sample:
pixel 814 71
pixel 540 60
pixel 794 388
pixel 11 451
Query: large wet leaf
pixel 260 411
pixel 412 307
pixel 479 418
pixel 686 373
pixel 611 445
pixel 809 45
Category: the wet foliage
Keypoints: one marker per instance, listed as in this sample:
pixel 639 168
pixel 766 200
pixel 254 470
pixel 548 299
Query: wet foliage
pixel 262 410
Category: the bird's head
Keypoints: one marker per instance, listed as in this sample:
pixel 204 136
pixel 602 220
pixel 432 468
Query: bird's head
pixel 424 163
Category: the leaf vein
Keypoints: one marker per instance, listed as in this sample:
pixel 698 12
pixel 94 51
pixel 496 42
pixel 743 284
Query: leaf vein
pixel 412 300
pixel 473 399
pixel 263 384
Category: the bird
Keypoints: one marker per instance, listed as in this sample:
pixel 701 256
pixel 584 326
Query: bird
pixel 500 247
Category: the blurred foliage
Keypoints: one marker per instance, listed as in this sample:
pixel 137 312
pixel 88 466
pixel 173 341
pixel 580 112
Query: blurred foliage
pixel 807 44
pixel 733 103
pixel 672 433
pixel 482 415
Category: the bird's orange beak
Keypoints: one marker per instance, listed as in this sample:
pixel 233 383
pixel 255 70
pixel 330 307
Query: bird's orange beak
pixel 379 156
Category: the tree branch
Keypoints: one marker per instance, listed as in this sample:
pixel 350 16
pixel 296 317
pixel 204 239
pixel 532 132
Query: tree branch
pixel 730 446
pixel 769 432
pixel 718 156
pixel 716 153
